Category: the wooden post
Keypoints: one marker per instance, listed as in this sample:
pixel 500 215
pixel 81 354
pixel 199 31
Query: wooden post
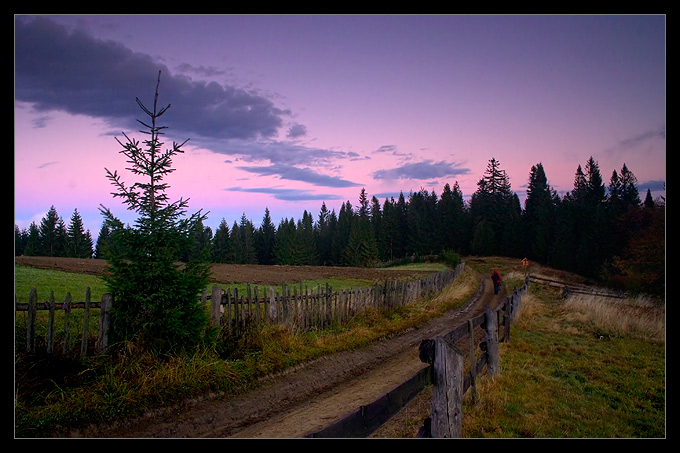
pixel 67 323
pixel 50 325
pixel 473 362
pixel 491 323
pixel 30 321
pixel 506 319
pixel 104 322
pixel 215 304
pixel 86 323
pixel 447 393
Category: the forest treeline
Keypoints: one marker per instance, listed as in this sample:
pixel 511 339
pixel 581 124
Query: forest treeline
pixel 602 232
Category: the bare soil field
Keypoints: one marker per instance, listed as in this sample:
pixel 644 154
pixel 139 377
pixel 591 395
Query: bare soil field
pixel 236 273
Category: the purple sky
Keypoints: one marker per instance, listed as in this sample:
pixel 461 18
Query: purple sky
pixel 287 112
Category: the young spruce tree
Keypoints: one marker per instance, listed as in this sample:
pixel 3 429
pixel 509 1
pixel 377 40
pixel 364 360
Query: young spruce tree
pixel 156 300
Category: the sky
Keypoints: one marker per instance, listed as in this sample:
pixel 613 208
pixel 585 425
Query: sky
pixel 286 112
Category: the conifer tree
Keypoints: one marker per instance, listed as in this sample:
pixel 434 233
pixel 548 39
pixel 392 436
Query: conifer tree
pixel 221 246
pixel 103 241
pixel 156 301
pixel 79 242
pixel 52 234
pixel 264 240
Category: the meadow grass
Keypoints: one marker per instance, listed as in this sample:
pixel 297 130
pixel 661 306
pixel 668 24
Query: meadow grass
pixel 570 373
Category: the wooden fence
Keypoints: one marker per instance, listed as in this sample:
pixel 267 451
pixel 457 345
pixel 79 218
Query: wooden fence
pixel 33 306
pixel 446 372
pixel 300 309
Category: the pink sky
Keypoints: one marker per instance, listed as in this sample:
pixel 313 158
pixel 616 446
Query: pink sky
pixel 389 103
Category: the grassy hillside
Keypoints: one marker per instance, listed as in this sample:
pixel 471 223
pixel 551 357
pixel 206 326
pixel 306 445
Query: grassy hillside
pixel 585 367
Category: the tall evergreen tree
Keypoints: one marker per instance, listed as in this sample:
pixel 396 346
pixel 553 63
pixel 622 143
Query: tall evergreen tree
pixel 221 244
pixel 324 236
pixel 156 300
pixel 539 216
pixel 264 240
pixel 78 242
pixel 52 234
pixel 33 246
pixel 103 241
pixel 306 241
pixel 495 203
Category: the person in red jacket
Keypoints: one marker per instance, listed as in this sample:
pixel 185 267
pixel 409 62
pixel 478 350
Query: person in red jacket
pixel 496 278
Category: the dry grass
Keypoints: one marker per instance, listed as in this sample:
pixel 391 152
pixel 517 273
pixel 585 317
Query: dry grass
pixel 640 317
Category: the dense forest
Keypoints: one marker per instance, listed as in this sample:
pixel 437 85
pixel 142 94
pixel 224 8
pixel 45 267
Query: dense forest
pixel 602 232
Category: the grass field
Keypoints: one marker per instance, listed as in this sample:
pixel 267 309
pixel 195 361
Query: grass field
pixel 584 368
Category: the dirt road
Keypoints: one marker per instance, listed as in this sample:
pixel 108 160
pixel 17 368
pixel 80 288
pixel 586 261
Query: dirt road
pixel 306 399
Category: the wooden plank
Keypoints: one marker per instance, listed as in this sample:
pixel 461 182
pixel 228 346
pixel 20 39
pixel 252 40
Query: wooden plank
pixel 447 394
pixel 86 324
pixel 491 326
pixel 30 322
pixel 365 419
pixel 104 322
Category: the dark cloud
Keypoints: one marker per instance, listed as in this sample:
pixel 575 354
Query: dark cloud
pixel 293 173
pixel 58 69
pixel 286 194
pixel 297 130
pixel 426 169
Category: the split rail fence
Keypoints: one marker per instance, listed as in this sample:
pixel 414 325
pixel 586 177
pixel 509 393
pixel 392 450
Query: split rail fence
pixel 446 372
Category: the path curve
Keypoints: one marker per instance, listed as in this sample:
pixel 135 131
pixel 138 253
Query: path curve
pixel 305 399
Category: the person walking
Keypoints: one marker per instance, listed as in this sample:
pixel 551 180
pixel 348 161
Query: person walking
pixel 496 278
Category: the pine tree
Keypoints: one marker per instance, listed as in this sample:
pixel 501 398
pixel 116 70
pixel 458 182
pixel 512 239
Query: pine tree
pixel 32 245
pixel 264 240
pixel 324 236
pixel 156 301
pixel 103 242
pixel 221 245
pixel 538 218
pixel 79 242
pixel 52 234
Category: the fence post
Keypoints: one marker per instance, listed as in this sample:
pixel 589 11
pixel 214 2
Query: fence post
pixel 447 393
pixel 30 326
pixel 104 322
pixel 86 323
pixel 50 325
pixel 491 326
pixel 473 362
pixel 506 319
pixel 215 303
pixel 67 324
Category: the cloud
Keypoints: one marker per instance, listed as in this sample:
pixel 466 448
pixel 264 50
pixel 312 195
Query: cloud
pixel 293 173
pixel 286 194
pixel 426 169
pixel 297 130
pixel 58 69
pixel 644 137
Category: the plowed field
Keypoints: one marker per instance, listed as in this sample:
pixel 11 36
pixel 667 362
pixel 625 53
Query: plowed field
pixel 236 273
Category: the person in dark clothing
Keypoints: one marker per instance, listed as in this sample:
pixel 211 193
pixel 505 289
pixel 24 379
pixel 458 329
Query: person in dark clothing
pixel 496 278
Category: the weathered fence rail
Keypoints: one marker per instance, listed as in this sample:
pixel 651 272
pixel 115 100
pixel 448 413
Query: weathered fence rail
pixel 446 372
pixel 298 308
pixel 32 307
